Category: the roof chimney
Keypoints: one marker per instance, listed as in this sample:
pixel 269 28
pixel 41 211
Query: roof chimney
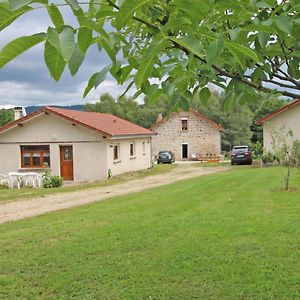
pixel 19 112
pixel 159 117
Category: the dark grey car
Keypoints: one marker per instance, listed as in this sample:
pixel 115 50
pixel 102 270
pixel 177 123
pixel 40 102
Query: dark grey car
pixel 165 157
pixel 241 155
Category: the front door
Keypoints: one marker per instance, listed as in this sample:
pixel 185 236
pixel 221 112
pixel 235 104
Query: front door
pixel 184 151
pixel 66 162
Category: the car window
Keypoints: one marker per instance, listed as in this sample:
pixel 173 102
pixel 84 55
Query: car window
pixel 240 148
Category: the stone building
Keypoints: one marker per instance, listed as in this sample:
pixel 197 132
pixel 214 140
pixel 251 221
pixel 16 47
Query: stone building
pixel 187 134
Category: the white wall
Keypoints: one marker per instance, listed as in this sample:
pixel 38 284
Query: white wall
pixel 89 148
pixel 289 118
pixel 126 163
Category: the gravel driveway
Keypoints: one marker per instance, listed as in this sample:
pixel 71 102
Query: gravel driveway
pixel 17 210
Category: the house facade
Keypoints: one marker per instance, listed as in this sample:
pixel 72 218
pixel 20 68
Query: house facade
pixel 287 116
pixel 187 134
pixel 78 146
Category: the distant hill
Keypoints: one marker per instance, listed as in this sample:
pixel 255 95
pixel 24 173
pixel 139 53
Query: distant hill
pixel 31 109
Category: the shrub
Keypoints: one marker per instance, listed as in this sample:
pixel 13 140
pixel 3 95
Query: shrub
pixel 51 181
pixel 267 157
pixel 56 181
pixel 3 186
pixel 257 150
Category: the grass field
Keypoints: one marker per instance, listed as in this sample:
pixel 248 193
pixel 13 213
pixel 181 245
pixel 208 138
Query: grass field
pixel 223 236
pixel 27 193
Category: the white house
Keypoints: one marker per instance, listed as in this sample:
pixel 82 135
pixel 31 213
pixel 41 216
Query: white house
pixel 287 116
pixel 79 146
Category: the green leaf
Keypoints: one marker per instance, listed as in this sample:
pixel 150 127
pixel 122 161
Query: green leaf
pixel 18 46
pixel 17 4
pixel 240 53
pixel 214 50
pixel 7 16
pixel 108 49
pixel 147 60
pixel 190 43
pixel 127 89
pixel 95 80
pixel 67 43
pixel 105 12
pixel 258 76
pixel 284 23
pixel 75 60
pixel 90 85
pixel 204 95
pixel 127 9
pixel 53 38
pixel 263 38
pixel 74 4
pixel 101 76
pixel 196 9
pixel 55 16
pixel 54 61
pixel 85 37
pixel 230 102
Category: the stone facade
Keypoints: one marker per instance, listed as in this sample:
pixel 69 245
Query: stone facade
pixel 202 135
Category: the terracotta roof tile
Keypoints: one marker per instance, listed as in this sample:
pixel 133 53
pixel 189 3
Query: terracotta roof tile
pixel 197 114
pixel 103 123
pixel 277 112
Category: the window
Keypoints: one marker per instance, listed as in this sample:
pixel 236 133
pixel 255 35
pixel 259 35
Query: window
pixel 144 148
pixel 35 156
pixel 116 152
pixel 184 124
pixel 132 149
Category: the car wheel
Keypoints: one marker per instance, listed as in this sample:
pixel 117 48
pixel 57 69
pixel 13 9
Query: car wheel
pixel 232 163
pixel 158 162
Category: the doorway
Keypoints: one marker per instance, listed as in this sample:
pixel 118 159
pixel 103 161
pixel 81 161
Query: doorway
pixel 184 151
pixel 66 162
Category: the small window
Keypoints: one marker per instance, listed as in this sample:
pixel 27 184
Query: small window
pixel 116 152
pixel 35 156
pixel 132 149
pixel 184 124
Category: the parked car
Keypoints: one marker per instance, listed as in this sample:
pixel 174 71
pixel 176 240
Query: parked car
pixel 165 157
pixel 241 155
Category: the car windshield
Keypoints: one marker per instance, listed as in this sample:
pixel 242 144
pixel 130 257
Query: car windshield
pixel 164 154
pixel 240 149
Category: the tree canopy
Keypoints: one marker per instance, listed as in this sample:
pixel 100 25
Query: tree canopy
pixel 168 46
pixel 239 123
pixel 6 116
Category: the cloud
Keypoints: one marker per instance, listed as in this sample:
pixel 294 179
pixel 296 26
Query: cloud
pixel 25 94
pixel 26 79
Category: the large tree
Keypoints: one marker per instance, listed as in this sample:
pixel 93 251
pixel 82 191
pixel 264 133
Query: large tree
pixel 240 45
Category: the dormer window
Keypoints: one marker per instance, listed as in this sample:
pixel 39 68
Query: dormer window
pixel 184 124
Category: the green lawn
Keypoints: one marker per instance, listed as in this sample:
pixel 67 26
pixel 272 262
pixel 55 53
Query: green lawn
pixel 222 236
pixel 27 193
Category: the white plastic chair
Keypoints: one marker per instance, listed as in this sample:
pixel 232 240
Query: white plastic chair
pixel 4 179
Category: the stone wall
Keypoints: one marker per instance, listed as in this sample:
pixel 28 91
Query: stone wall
pixel 201 137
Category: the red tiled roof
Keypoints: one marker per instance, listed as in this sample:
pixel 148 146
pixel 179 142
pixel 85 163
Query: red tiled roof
pixel 200 116
pixel 277 112
pixel 106 124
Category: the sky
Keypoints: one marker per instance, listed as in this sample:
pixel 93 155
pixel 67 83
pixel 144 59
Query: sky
pixel 26 80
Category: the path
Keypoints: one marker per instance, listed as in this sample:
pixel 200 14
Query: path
pixel 17 210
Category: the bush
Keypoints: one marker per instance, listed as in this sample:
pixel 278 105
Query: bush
pixel 267 157
pixel 56 181
pixel 257 150
pixel 51 181
pixel 3 186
